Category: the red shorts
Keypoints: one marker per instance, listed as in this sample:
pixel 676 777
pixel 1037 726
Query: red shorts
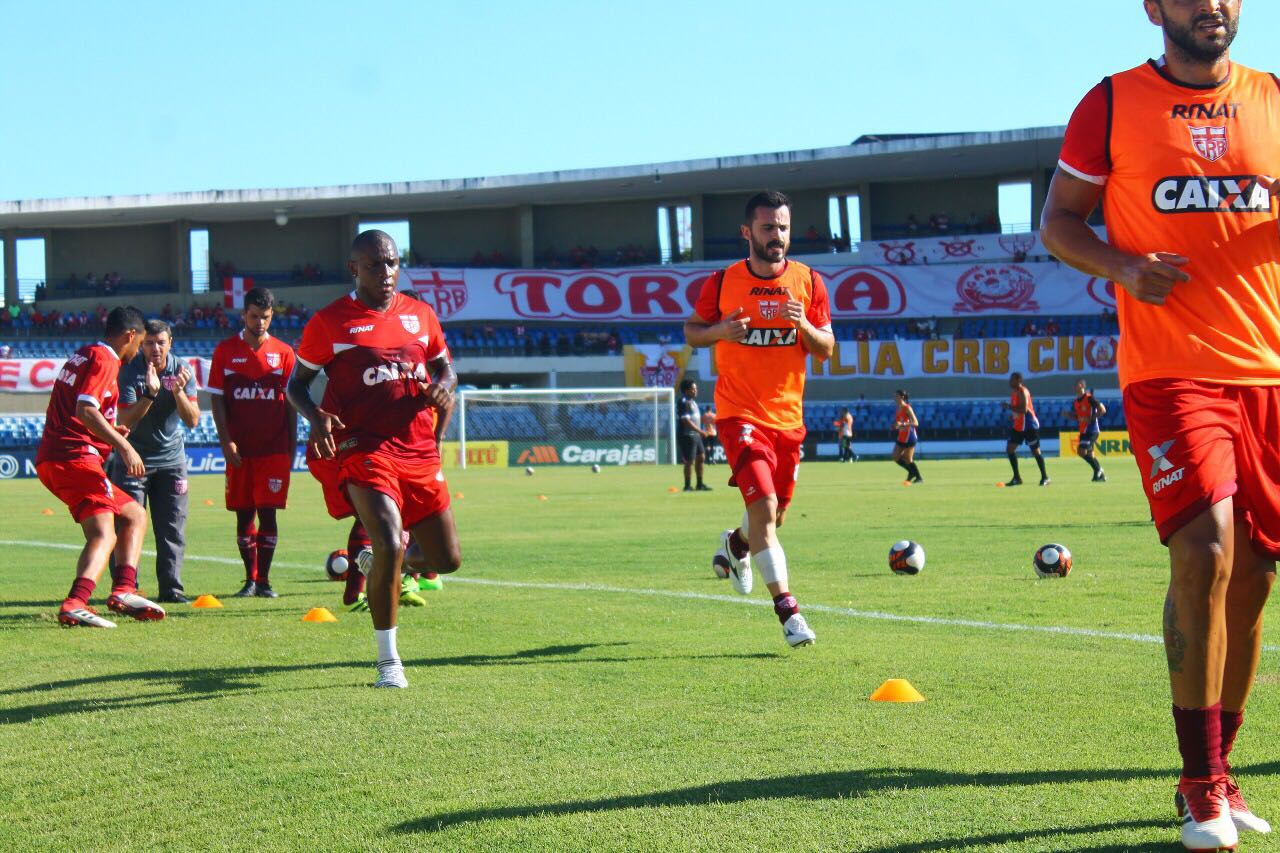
pixel 328 473
pixel 764 461
pixel 1197 443
pixel 420 491
pixel 83 486
pixel 261 482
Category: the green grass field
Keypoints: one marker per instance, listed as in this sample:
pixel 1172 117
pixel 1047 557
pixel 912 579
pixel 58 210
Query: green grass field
pixel 569 703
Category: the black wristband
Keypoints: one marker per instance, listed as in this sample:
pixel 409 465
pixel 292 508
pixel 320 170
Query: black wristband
pixel 152 397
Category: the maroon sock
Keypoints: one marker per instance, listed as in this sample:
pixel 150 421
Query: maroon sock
pixel 81 589
pixel 266 551
pixel 247 542
pixel 124 578
pixel 738 544
pixel 785 605
pixel 1200 740
pixel 357 540
pixel 1231 722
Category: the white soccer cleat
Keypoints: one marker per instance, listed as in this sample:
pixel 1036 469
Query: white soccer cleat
pixel 798 632
pixel 1207 822
pixel 391 674
pixel 739 568
pixel 132 604
pixel 364 561
pixel 83 617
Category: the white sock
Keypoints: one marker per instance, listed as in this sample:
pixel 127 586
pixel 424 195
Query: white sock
pixel 386 645
pixel 771 563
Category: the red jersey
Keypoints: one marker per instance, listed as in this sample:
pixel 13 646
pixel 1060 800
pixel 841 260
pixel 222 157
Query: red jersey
pixel 251 383
pixel 90 375
pixel 1179 167
pixel 361 352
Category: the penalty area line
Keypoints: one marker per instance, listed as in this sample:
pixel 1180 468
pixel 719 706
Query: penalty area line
pixel 847 612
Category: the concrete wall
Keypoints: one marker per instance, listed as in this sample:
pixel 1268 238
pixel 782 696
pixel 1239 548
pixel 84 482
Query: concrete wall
pixel 892 202
pixel 265 246
pixel 605 226
pixel 139 253
pixel 445 237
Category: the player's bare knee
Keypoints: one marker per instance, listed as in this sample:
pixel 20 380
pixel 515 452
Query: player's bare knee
pixel 133 516
pixel 452 559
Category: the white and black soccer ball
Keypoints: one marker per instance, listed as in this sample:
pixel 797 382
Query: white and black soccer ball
pixel 906 558
pixel 720 564
pixel 595 469
pixel 528 472
pixel 1052 561
pixel 337 565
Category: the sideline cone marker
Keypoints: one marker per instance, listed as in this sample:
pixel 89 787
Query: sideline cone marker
pixel 672 490
pixel 206 600
pixel 208 502
pixel 896 690
pixel 46 511
pixel 542 497
pixel 319 614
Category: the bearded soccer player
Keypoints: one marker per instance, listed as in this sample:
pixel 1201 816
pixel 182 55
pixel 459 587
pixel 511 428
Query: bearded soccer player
pixel 1087 410
pixel 1024 426
pixel 765 316
pixel 1182 152
pixel 258 431
pixel 388 373
pixel 79 432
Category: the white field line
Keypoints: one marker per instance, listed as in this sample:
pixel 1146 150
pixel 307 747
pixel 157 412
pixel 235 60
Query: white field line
pixel 847 612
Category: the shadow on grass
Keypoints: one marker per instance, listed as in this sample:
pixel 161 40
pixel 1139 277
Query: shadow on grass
pixel 198 684
pixel 969 842
pixel 825 786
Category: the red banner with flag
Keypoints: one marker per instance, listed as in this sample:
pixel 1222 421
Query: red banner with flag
pixel 233 290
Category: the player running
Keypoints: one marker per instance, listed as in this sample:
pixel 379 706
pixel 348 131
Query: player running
pixel 259 434
pixel 1088 409
pixel 79 432
pixel 1024 426
pixel 388 368
pixel 765 316
pixel 1182 152
pixel 905 425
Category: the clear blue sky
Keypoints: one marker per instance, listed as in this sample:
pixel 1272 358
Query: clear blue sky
pixel 102 98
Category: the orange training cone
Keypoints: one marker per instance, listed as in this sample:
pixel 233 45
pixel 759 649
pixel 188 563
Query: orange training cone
pixel 458 495
pixel 208 502
pixel 319 614
pixel 542 497
pixel 672 489
pixel 206 600
pixel 896 690
pixel 46 511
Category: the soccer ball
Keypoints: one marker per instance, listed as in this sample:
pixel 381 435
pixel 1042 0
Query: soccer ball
pixel 906 558
pixel 528 472
pixel 1052 561
pixel 595 469
pixel 337 565
pixel 720 564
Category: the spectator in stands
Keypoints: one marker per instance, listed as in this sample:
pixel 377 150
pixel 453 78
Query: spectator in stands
pixel 1051 328
pixel 477 260
pixel 41 292
pixel 530 344
pixel 91 282
pixel 913 225
pixel 73 284
pixel 5 349
pixel 611 343
pixel 975 224
pixel 812 235
pixel 1030 330
pixel 942 222
pixel 498 259
pixel 993 222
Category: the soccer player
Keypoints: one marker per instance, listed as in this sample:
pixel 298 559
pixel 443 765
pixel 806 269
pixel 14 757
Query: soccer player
pixel 1182 151
pixel 692 451
pixel 388 368
pixel 1088 409
pixel 79 431
pixel 259 434
pixel 710 442
pixel 765 316
pixel 159 439
pixel 1024 426
pixel 904 446
pixel 844 430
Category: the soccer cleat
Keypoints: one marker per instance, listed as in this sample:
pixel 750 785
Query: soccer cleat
pixel 249 590
pixel 391 674
pixel 134 605
pixel 1016 481
pixel 264 590
pixel 73 617
pixel 917 479
pixel 1207 822
pixel 798 632
pixel 702 487
pixel 360 605
pixel 430 584
pixel 1044 481
pixel 1244 819
pixel 1100 477
pixel 688 488
pixel 739 567
pixel 409 593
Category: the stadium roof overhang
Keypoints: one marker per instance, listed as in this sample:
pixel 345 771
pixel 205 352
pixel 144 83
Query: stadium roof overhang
pixel 869 159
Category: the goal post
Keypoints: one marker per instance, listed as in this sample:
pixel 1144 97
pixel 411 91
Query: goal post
pixel 571 426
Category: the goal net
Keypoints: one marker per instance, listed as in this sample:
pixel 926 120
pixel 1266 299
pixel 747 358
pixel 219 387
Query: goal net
pixel 588 426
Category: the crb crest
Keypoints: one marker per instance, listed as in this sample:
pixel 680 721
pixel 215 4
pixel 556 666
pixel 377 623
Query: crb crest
pixel 663 373
pixel 444 291
pixel 1209 142
pixel 275 484
pixel 411 323
pixel 1002 287
pixel 769 309
pixel 1100 352
pixel 273 360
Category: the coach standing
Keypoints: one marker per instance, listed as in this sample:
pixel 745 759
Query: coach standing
pixel 166 385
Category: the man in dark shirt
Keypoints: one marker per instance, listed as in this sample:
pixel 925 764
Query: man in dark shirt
pixel 166 385
pixel 691 434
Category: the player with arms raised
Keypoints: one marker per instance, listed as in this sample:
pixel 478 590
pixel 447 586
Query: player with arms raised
pixel 388 368
pixel 765 316
pixel 1182 152
pixel 79 432
pixel 259 434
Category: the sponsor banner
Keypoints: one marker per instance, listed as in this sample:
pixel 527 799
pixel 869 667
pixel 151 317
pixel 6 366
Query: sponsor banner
pixel 17 464
pixel 655 365
pixel 480 454
pixel 954 249
pixel 988 357
pixel 667 294
pixel 1108 443
pixel 525 454
pixel 36 375
pixel 209 460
